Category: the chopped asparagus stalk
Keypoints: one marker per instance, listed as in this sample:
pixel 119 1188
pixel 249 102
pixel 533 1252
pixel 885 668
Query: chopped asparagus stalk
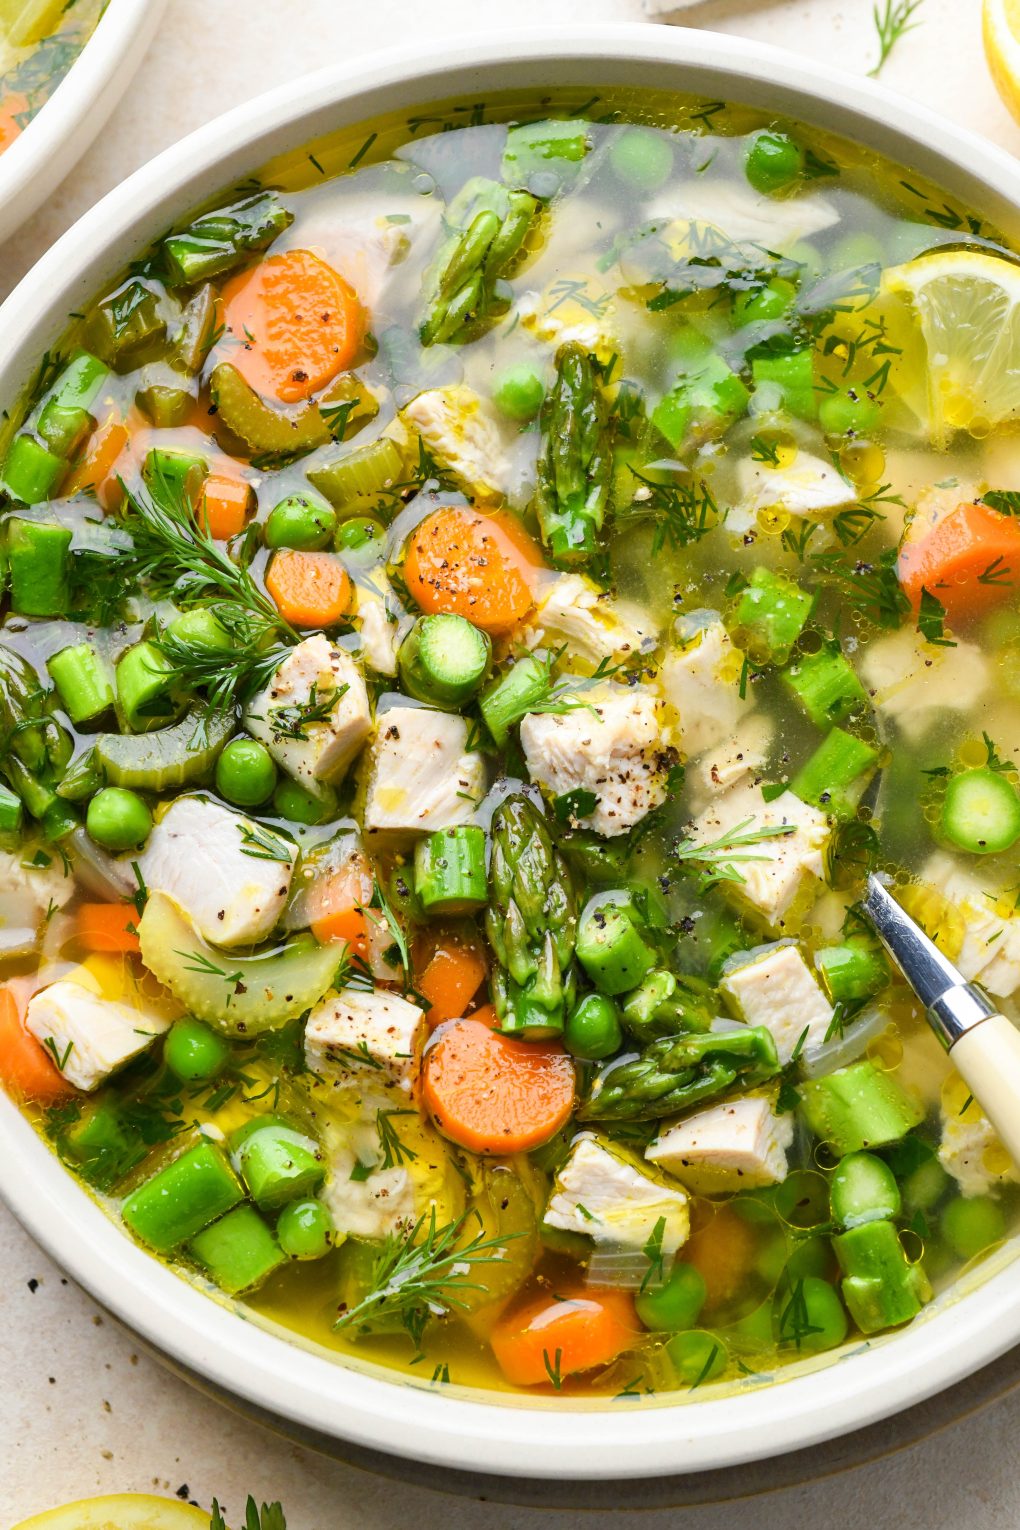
pixel 449 870
pixel 219 240
pixel 769 616
pixel 575 464
pixel 680 1071
pixel 84 681
pixel 487 226
pixel 39 561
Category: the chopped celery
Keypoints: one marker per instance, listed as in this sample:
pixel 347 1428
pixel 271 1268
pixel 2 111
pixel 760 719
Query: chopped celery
pixel 358 474
pixel 262 428
pixel 825 685
pixel 174 474
pixel 39 562
pixel 31 471
pixel 182 755
pixel 835 776
pixel 769 616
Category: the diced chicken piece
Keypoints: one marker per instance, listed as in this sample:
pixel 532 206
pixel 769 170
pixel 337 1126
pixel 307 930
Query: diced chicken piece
pixel 701 679
pixel 375 1188
pixel 785 867
pixel 371 1204
pixel 89 1037
pixel 737 1145
pixel 735 210
pixel 573 610
pixel 605 1194
pixel 990 953
pixel 369 1039
pixel 33 887
pixel 911 681
pixel 463 436
pixel 971 1152
pixel 734 759
pixel 806 486
pixel 319 679
pixel 774 987
pixel 578 309
pixel 382 622
pixel 422 776
pixel 614 748
pixel 200 854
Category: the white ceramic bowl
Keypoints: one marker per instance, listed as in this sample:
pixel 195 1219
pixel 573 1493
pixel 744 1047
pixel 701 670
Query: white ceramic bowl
pixel 352 1401
pixel 59 134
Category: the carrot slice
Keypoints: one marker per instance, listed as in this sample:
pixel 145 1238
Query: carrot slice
pixel 723 1251
pixel 11 108
pixel 297 324
pixel 473 566
pixel 562 1335
pixel 95 468
pixel 310 589
pixel 107 927
pixel 25 1070
pixel 493 1094
pixel 224 504
pixel 451 968
pixel 970 562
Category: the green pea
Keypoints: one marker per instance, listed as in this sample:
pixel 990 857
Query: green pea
pixel 697 1356
pixel 292 801
pixel 972 1224
pixel 305 1230
pixel 811 1256
pixel 193 1051
pixel 848 412
pixel 118 819
pixel 360 533
pixel 245 773
pixel 676 1305
pixel 518 391
pixel 808 1316
pixel 300 521
pixel 773 162
pixel 925 1186
pixel 767 303
pixel 593 1028
pixel 642 157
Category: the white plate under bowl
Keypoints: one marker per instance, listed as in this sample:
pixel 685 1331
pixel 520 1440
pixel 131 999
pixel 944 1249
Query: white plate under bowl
pixel 355 1402
pixel 58 135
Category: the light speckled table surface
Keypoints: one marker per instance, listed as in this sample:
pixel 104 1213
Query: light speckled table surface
pixel 82 1410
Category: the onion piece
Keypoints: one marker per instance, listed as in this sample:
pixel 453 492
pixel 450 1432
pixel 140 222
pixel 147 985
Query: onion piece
pixel 841 1051
pixel 101 874
pixel 614 1268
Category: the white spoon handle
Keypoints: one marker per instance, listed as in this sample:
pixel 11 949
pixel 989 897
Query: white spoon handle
pixel 987 1057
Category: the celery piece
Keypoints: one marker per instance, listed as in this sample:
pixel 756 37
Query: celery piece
pixel 360 473
pixel 880 1288
pixel 858 1107
pixel 145 690
pixel 217 241
pixel 543 157
pixel 769 616
pixel 128 327
pixel 703 404
pixel 84 681
pixel 449 870
pixel 31 471
pixel 102 1144
pixel 276 1163
pixel 825 686
pixel 835 776
pixel 512 695
pixel 39 563
pixel 793 372
pixel 184 754
pixel 37 797
pixel 182 1198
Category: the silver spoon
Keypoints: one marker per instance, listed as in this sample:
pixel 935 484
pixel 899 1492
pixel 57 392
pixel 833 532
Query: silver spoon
pixel 984 1045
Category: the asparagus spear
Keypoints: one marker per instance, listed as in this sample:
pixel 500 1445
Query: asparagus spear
pixel 679 1071
pixel 575 463
pixel 486 227
pixel 26 728
pixel 663 1004
pixel 531 923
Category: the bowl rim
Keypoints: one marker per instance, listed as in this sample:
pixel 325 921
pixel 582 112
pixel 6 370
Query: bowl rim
pixel 488 1432
pixel 61 131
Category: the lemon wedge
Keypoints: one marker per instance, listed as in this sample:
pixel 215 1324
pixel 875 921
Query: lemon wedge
pixel 1000 21
pixel 967 304
pixel 121 1511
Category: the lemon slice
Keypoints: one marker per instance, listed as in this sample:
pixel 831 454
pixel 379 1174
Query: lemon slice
pixel 967 304
pixel 1001 27
pixel 121 1511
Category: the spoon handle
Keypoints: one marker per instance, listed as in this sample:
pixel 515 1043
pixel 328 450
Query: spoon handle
pixel 987 1057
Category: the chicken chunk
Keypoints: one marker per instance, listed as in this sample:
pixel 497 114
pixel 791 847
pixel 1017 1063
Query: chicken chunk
pixel 421 774
pixel 595 628
pixel 785 869
pixel 774 987
pixel 376 1188
pixel 743 754
pixel 737 1145
pixel 463 436
pixel 29 894
pixel 806 486
pixel 911 680
pixel 990 953
pixel 314 715
pixel 199 854
pixel 613 748
pixel 369 1039
pixel 605 1194
pixel 701 679
pixel 971 1152
pixel 87 1036
pixel 382 622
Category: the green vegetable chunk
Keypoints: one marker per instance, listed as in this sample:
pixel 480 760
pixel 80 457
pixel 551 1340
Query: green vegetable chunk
pixel 880 1288
pixel 182 1198
pixel 825 686
pixel 852 972
pixel 674 1305
pixel 245 773
pixel 239 1252
pixel 359 473
pixel 512 695
pixel 31 472
pixel 575 464
pixel 39 562
pixel 858 1107
pixel 981 812
pixel 300 521
pixel 84 681
pixel 276 1163
pixel 611 948
pixel 543 157
pixel 220 240
pixel 194 1052
pixel 835 777
pixel 676 1072
pixel 863 1189
pixel 146 690
pixel 769 616
pixel 444 659
pixel 449 870
pixel 182 755
pixel 593 1029
pixel 12 816
pixel 465 287
pixel 773 162
pixel 118 819
pixel 305 1230
pixel 663 1004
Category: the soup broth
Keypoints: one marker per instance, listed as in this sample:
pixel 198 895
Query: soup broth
pixel 479 599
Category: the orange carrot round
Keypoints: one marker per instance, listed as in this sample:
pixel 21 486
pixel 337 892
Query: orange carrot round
pixel 223 505
pixel 107 927
pixel 310 589
pixel 471 565
pixel 562 1335
pixel 11 108
pixel 969 561
pixel 493 1094
pixel 451 967
pixel 722 1251
pixel 297 323
pixel 96 466
pixel 25 1070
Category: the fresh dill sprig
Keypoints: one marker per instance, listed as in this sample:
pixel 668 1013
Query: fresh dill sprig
pixel 893 20
pixel 229 675
pixel 294 721
pixel 719 860
pixel 394 1150
pixel 869 587
pixel 681 513
pixel 421 1276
